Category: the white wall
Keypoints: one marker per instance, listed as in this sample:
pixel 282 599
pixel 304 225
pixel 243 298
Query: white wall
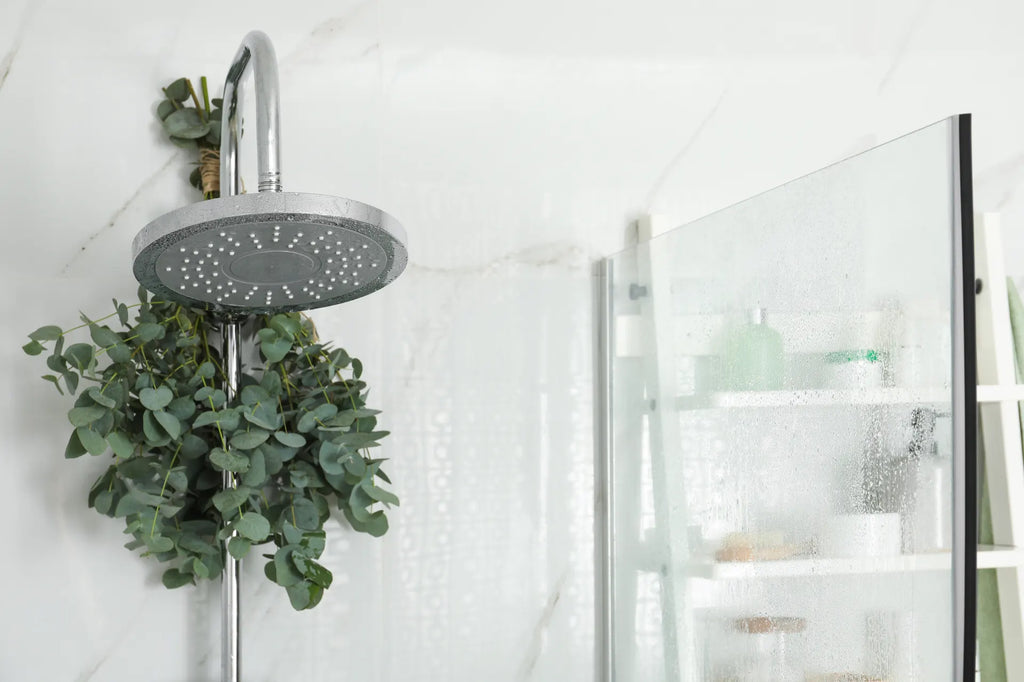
pixel 515 141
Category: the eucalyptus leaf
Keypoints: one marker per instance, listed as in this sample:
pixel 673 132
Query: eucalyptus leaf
pixel 164 109
pixel 292 535
pixel 79 355
pixel 156 398
pixel 285 570
pixel 317 574
pixel 149 331
pixel 186 124
pixel 33 348
pixel 93 442
pixel 96 395
pixel 229 460
pixel 178 90
pixel 119 353
pixel 274 351
pixel 380 495
pixel 254 394
pixel 103 336
pixel 182 407
pixel 173 578
pixel 256 476
pixel 169 423
pixel 231 498
pixel 199 568
pixel 74 448
pixel 48 333
pixel 238 547
pixel 120 444
pixel 82 416
pixel 305 514
pixel 248 440
pixel 55 381
pixel 292 440
pixel 193 447
pixel 252 526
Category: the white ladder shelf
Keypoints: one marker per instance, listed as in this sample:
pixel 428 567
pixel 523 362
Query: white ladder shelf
pixel 999 417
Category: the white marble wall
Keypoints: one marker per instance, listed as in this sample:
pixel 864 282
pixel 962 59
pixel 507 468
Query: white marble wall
pixel 515 141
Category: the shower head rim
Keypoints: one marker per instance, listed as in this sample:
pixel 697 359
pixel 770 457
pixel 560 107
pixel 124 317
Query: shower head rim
pixel 212 216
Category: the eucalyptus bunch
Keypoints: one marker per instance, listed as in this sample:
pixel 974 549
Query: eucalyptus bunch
pixel 195 127
pixel 297 436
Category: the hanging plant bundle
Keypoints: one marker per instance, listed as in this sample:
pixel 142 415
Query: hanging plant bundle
pixel 297 436
pixel 194 127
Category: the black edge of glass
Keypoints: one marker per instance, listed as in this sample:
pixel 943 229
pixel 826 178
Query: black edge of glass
pixel 970 405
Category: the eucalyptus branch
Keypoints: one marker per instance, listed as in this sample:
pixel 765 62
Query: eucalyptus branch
pixel 294 435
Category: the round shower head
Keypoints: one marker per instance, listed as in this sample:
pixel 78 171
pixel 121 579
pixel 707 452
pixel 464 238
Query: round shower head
pixel 269 252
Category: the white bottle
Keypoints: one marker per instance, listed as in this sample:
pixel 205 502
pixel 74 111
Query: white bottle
pixel 933 513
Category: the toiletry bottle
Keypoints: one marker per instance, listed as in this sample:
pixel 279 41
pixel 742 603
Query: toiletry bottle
pixel 753 356
pixel 933 525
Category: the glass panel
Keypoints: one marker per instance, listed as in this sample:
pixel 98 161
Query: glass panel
pixel 782 401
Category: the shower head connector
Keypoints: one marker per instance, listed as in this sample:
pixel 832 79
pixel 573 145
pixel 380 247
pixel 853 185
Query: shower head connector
pixel 272 251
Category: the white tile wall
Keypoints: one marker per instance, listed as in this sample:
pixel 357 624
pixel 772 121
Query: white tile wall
pixel 515 141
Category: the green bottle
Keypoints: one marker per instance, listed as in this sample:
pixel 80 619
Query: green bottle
pixel 753 359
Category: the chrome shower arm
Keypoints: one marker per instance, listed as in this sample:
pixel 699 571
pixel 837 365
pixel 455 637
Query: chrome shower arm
pixel 256 51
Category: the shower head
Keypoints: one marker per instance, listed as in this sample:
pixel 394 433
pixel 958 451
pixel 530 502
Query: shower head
pixel 272 251
pixel 269 252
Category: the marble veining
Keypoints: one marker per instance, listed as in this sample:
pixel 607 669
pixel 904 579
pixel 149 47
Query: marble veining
pixel 116 215
pixel 540 629
pixel 681 154
pixel 903 45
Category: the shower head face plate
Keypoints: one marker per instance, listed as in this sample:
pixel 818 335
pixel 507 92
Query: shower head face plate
pixel 269 252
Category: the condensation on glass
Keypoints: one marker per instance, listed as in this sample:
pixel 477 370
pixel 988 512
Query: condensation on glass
pixel 781 421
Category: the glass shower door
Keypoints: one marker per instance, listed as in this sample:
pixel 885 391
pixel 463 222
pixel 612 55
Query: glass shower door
pixel 791 430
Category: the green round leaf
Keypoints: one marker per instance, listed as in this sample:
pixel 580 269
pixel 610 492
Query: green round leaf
pixel 74 448
pixel 292 440
pixel 164 109
pixel 93 442
pixel 173 578
pixel 120 444
pixel 229 460
pixel 186 124
pixel 81 416
pixel 48 333
pixel 79 355
pixel 169 423
pixel 230 499
pixel 96 394
pixel 247 440
pixel 149 331
pixel 178 90
pixel 252 526
pixel 274 351
pixel 238 547
pixel 103 336
pixel 156 398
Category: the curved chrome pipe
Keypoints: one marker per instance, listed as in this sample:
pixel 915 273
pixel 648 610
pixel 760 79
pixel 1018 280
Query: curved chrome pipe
pixel 256 50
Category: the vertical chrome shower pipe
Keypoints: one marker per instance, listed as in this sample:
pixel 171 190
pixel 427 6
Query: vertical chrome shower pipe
pixel 231 667
pixel 257 52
